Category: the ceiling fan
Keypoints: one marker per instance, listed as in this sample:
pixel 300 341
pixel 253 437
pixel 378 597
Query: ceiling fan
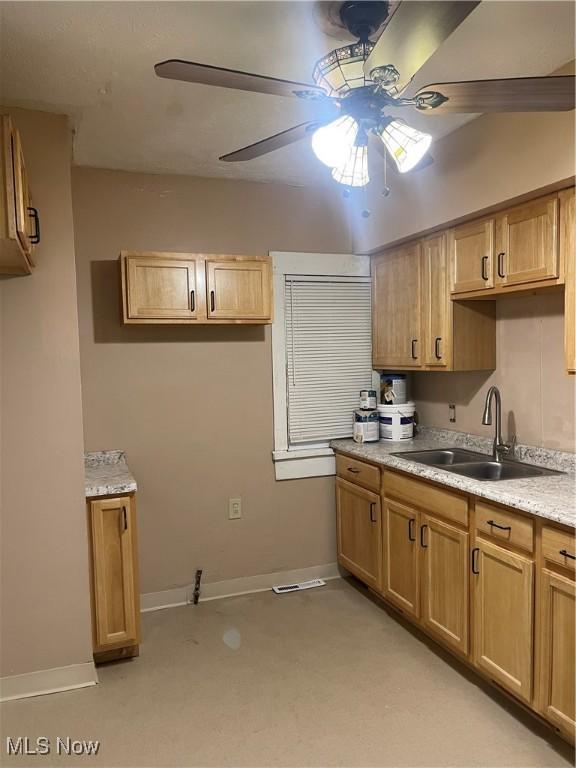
pixel 356 83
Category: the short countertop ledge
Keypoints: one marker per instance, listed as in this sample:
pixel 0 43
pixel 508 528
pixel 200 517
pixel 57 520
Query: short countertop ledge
pixel 107 474
pixel 552 496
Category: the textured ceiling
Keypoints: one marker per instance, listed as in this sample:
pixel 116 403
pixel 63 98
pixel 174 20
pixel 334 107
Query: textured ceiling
pixel 94 61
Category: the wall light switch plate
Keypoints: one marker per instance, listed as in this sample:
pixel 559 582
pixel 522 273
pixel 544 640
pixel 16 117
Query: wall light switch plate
pixel 452 412
pixel 234 509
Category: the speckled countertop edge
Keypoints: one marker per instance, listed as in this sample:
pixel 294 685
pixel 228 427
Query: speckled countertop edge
pixel 552 497
pixel 107 474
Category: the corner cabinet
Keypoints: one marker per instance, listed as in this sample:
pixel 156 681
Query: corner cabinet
pixel 115 597
pixel 415 325
pixel 193 289
pixel 19 221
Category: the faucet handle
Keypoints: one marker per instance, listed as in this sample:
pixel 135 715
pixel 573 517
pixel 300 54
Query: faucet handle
pixel 507 449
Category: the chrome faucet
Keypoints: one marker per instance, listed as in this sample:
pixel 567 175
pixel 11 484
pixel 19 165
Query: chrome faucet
pixel 500 448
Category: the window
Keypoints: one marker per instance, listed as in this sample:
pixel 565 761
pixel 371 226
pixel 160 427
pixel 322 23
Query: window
pixel 322 356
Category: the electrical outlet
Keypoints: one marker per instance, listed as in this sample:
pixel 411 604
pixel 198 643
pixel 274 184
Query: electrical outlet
pixel 234 509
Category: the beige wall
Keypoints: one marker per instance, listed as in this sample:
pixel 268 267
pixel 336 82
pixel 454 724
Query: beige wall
pixel 538 397
pixel 193 406
pixel 45 618
pixel 484 163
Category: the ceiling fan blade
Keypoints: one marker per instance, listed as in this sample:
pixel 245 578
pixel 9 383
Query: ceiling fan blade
pixel 391 166
pixel 282 139
pixel 415 31
pixel 517 94
pixel 191 72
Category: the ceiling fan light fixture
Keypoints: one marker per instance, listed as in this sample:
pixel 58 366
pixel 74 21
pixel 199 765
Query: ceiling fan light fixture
pixel 406 145
pixel 332 143
pixel 354 172
pixel 342 69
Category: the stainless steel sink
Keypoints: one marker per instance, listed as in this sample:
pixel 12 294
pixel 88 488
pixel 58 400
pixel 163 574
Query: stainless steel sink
pixel 443 457
pixel 477 466
pixel 500 470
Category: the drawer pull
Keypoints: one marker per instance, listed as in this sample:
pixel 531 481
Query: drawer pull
pixel 212 301
pixel 475 570
pixel 411 522
pixel 424 546
pixel 500 263
pixel 565 553
pixel 484 262
pixel 354 471
pixel 33 214
pixel 372 518
pixel 437 354
pixel 192 302
pixel 413 349
pixel 492 524
pixel 124 519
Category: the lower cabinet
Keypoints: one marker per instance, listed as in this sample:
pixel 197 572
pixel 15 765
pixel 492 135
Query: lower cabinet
pixel 557 656
pixel 445 582
pixel 114 577
pixel 401 583
pixel 503 616
pixel 359 532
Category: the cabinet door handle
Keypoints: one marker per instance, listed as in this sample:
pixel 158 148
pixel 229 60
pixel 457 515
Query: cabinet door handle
pixel 192 301
pixel 437 348
pixel 372 518
pixel 413 349
pixel 33 213
pixel 422 544
pixel 124 519
pixel 212 301
pixel 565 553
pixel 501 264
pixel 484 262
pixel 354 471
pixel 494 524
pixel 411 522
pixel 475 570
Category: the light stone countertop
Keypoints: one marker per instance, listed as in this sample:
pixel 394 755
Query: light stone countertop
pixel 550 496
pixel 107 474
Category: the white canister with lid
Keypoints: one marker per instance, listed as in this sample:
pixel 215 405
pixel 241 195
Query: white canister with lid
pixel 396 421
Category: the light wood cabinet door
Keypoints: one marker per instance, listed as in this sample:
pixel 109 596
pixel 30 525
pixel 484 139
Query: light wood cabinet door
pixel 396 316
pixel 503 617
pixel 162 286
pixel 471 254
pixel 401 577
pixel 557 620
pixel 359 532
pixel 15 224
pixel 567 201
pixel 527 243
pixel 115 600
pixel 239 289
pixel 22 194
pixel 435 302
pixel 445 582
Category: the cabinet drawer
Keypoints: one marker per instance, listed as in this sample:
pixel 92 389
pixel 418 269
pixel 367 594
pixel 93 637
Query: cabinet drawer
pixel 557 546
pixel 505 526
pixel 429 497
pixel 358 472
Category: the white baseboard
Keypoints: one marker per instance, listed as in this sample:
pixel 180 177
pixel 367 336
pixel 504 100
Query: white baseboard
pixel 170 598
pixel 48 681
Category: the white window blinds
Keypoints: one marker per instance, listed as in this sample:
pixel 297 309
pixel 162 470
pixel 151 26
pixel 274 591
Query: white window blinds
pixel 328 354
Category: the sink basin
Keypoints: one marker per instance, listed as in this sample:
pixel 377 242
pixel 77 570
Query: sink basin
pixel 443 457
pixel 500 470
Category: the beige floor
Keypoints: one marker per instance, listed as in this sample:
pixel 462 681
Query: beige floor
pixel 319 678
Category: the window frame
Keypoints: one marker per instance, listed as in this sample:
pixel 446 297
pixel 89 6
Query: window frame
pixel 316 461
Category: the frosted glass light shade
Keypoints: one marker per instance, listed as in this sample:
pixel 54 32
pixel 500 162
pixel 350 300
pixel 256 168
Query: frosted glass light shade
pixel 354 171
pixel 332 143
pixel 406 145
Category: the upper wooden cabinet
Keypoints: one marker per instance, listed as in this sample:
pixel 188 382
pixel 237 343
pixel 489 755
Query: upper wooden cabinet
pixel 19 223
pixel 239 289
pixel 471 248
pixel 567 200
pixel 415 325
pixel 396 315
pixel 527 243
pixel 188 288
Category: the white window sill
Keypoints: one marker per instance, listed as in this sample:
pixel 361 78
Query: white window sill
pixel 312 462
